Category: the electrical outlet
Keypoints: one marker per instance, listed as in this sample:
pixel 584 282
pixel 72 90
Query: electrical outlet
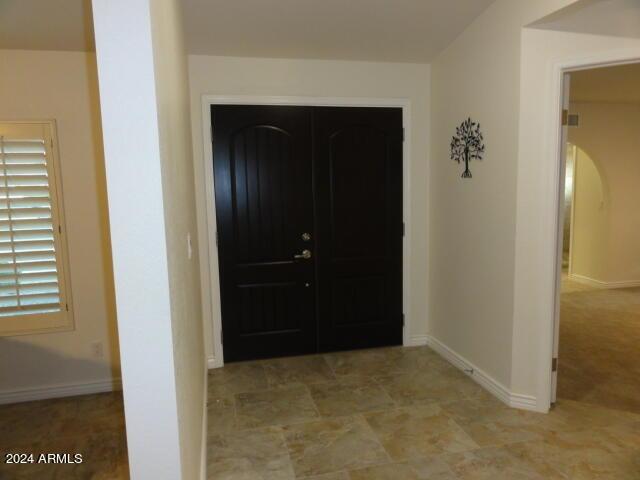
pixel 97 350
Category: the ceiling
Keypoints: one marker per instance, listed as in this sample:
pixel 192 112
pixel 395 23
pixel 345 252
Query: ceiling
pixel 618 18
pixel 608 84
pixel 376 30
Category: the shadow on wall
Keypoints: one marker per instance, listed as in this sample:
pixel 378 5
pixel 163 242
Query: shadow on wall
pixel 40 361
pixel 103 203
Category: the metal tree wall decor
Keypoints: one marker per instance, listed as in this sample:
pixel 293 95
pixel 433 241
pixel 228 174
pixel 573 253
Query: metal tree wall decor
pixel 467 144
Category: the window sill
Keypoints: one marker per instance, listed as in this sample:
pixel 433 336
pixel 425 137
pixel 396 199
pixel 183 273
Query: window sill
pixel 36 324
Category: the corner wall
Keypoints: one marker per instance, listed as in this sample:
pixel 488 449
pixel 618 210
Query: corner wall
pixel 62 86
pixel 143 95
pixel 472 239
pixel 176 155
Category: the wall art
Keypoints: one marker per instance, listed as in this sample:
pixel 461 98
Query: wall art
pixel 467 144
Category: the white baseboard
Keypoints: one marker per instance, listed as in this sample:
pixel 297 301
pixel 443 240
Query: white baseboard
pixel 59 391
pixel 417 341
pixel 205 420
pixel 592 282
pixel 214 362
pixel 524 402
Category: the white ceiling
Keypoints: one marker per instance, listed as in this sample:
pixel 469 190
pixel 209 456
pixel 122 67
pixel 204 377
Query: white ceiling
pixel 609 84
pixel 377 30
pixel 618 18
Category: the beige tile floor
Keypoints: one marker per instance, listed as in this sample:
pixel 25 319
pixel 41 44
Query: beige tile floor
pixel 394 413
pixel 400 414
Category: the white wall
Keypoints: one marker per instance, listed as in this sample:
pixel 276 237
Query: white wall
pixel 142 72
pixel 606 223
pixel 62 86
pixel 473 221
pixel 315 78
pixel 492 239
pixel 172 90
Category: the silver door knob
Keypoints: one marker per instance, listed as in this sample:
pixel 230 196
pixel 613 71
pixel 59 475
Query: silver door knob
pixel 305 255
pixel 306 237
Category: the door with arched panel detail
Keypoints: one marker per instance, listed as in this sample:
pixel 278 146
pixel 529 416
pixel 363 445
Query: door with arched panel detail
pixel 309 218
pixel 264 204
pixel 358 195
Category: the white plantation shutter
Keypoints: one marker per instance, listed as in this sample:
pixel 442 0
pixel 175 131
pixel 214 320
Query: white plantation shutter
pixel 31 267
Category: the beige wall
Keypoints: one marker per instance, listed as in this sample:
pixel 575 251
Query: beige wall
pixel 473 222
pixel 62 86
pixel 606 222
pixel 588 219
pixel 174 126
pixel 276 77
pixel 491 265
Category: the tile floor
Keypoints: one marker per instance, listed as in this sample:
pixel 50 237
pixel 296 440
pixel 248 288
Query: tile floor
pixel 92 425
pixel 402 414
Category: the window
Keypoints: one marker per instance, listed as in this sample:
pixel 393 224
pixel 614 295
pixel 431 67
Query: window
pixel 34 287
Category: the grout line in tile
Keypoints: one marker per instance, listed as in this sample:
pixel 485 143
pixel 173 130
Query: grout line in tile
pixel 377 437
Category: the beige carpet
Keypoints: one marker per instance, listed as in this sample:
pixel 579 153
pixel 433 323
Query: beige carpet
pixel 600 346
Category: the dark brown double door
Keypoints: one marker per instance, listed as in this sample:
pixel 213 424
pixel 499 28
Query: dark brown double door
pixel 309 214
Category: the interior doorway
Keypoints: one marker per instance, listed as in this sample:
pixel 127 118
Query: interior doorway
pixel 598 269
pixel 309 209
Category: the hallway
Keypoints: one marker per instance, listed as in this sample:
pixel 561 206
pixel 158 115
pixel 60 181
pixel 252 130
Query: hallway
pixel 599 361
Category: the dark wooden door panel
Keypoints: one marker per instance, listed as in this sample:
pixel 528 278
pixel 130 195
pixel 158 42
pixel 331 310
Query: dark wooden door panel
pixel 357 162
pixel 264 179
pixel 336 174
pixel 358 184
pixel 268 308
pixel 262 166
pixel 358 301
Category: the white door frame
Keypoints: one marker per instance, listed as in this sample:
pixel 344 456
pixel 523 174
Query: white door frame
pixel 556 193
pixel 564 139
pixel 207 158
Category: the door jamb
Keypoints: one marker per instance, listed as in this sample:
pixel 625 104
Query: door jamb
pixel 607 59
pixel 212 250
pixel 574 154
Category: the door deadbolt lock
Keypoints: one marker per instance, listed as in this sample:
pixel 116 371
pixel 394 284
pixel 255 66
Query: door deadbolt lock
pixel 306 237
pixel 305 255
